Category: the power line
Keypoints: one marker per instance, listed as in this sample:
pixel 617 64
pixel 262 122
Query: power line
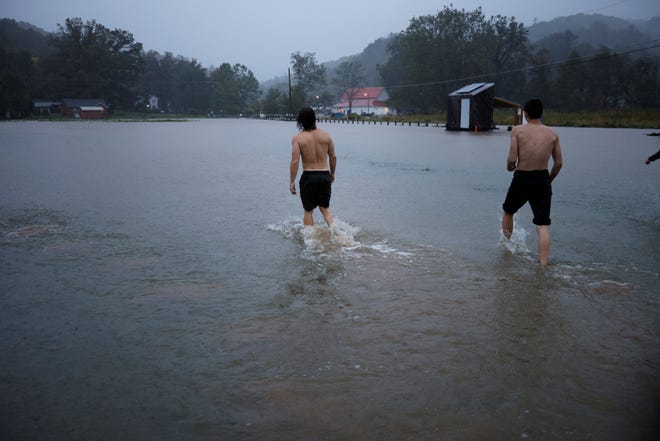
pixel 577 60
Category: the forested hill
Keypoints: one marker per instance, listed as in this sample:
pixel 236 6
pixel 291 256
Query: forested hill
pixel 588 33
pixel 588 28
pixel 581 32
pixel 584 33
pixel 577 62
pixel 20 36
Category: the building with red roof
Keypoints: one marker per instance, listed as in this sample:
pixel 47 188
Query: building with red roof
pixel 364 101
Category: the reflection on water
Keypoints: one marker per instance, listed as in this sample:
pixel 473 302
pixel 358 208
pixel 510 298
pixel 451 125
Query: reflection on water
pixel 167 289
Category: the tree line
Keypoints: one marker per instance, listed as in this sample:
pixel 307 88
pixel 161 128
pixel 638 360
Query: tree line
pixel 433 56
pixel 439 53
pixel 88 60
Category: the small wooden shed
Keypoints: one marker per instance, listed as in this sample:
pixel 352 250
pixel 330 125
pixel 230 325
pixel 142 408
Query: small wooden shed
pixel 471 107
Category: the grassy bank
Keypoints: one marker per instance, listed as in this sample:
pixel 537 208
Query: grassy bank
pixel 120 117
pixel 625 118
pixel 633 119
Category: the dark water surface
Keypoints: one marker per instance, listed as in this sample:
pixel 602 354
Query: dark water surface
pixel 156 283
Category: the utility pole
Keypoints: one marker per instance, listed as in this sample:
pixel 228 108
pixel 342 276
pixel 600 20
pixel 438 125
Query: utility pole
pixel 290 96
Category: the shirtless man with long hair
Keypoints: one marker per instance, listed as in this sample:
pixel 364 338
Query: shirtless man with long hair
pixel 317 150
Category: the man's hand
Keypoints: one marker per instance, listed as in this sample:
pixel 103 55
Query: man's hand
pixel 292 188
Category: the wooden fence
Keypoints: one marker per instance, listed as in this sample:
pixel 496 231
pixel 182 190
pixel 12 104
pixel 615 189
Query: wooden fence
pixel 359 121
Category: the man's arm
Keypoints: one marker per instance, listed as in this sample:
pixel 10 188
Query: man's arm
pixel 653 157
pixel 332 159
pixel 557 160
pixel 293 168
pixel 513 151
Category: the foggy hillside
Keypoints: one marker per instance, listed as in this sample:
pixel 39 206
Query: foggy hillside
pixel 581 32
pixel 585 33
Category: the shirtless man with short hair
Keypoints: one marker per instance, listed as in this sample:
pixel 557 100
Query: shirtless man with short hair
pixel 317 150
pixel 532 145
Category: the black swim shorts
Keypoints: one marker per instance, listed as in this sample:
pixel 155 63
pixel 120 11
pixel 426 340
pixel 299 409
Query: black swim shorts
pixel 315 189
pixel 533 187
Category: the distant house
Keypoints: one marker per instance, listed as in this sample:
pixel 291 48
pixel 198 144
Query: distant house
pixel 367 100
pixel 84 108
pixel 153 102
pixel 44 107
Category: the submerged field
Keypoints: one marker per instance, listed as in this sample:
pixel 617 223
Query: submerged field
pixel 617 118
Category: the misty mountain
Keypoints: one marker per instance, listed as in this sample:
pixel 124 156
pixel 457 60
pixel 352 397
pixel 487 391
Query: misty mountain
pixel 587 33
pixel 584 33
pixel 370 58
pixel 21 36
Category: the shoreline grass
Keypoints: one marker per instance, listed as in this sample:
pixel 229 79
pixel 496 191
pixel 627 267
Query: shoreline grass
pixel 619 118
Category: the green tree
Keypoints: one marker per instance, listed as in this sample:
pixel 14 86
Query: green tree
pixel 91 60
pixel 437 53
pixel 275 102
pixel 309 76
pixel 15 99
pixel 248 88
pixel 180 84
pixel 607 85
pixel 644 84
pixel 234 89
pixel 350 79
pixel 502 44
pixel 16 72
pixel 191 90
pixel 540 78
pixel 572 84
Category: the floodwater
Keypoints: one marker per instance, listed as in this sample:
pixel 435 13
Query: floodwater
pixel 156 283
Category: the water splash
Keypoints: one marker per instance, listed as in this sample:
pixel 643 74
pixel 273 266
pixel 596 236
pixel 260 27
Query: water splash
pixel 516 243
pixel 320 239
pixel 341 238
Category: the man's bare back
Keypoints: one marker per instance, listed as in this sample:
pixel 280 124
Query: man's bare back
pixel 532 146
pixel 315 148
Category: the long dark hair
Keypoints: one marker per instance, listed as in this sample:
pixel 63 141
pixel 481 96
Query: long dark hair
pixel 306 119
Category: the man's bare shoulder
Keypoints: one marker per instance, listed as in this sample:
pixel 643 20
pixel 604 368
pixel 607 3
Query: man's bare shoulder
pixel 320 133
pixel 533 129
pixel 299 137
pixel 549 132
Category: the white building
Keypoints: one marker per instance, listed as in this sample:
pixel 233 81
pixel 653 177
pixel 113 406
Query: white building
pixel 153 102
pixel 367 100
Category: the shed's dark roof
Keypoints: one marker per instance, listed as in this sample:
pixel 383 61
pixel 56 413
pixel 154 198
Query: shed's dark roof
pixel 472 89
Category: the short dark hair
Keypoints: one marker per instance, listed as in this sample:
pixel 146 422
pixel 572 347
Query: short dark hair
pixel 534 108
pixel 306 119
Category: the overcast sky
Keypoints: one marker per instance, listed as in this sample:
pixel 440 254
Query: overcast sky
pixel 262 34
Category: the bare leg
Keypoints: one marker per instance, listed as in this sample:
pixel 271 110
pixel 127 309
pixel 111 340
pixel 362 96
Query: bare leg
pixel 507 225
pixel 308 219
pixel 327 215
pixel 543 232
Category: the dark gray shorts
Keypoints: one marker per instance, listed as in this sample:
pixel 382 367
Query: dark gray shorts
pixel 315 189
pixel 534 187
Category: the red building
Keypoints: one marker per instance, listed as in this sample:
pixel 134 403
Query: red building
pixel 364 100
pixel 84 108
